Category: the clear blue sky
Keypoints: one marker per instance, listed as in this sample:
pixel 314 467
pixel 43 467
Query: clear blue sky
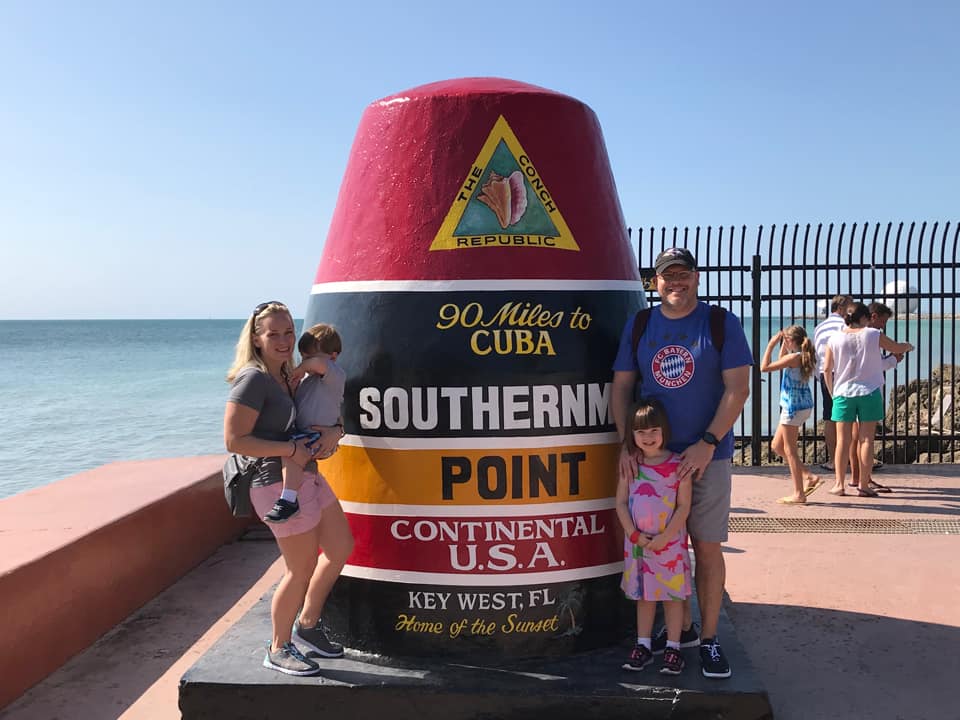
pixel 159 160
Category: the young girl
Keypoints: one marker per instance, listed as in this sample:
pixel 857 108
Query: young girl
pixel 653 511
pixel 797 359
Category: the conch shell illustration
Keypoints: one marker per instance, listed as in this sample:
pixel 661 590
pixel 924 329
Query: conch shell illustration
pixel 506 196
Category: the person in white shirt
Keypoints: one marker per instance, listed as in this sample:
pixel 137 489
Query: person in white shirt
pixel 853 372
pixel 879 315
pixel 821 333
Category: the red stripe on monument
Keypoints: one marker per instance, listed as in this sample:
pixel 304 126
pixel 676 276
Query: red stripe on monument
pixel 471 544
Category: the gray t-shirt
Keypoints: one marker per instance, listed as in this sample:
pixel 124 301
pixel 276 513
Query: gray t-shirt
pixel 319 397
pixel 256 389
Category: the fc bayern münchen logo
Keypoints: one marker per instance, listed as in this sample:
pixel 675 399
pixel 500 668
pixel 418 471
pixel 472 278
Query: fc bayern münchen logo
pixel 672 366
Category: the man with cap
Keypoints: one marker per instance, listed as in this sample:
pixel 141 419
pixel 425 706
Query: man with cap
pixel 703 389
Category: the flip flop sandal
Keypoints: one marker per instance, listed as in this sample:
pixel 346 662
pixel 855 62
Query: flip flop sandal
pixel 877 487
pixel 867 493
pixel 812 488
pixel 790 501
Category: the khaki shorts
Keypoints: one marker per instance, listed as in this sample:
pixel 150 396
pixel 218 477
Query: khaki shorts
pixel 710 507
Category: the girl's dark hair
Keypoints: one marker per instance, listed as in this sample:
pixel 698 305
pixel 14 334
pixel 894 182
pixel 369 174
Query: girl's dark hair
pixel 644 414
pixel 856 313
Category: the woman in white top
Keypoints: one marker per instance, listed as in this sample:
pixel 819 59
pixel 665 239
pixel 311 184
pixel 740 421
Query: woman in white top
pixel 853 371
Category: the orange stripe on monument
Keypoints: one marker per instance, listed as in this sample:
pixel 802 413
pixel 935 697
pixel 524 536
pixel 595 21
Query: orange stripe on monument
pixel 473 477
pixel 520 189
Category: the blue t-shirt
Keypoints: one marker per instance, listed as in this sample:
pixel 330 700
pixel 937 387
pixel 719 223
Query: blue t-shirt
pixel 680 367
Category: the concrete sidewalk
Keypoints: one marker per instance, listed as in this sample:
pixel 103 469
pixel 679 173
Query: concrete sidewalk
pixel 859 622
pixel 855 624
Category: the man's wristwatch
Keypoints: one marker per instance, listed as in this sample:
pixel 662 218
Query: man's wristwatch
pixel 710 438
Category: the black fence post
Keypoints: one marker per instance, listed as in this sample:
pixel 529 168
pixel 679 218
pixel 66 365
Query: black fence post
pixel 756 395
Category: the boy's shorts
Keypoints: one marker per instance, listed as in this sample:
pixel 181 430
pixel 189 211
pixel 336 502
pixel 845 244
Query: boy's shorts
pixel 312 438
pixel 710 506
pixel 865 408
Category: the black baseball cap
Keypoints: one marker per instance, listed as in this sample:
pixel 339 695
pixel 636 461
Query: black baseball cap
pixel 674 256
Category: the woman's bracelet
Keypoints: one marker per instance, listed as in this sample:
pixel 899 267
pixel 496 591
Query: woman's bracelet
pixel 294 443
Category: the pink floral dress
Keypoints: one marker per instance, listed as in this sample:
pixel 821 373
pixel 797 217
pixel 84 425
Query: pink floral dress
pixel 651 499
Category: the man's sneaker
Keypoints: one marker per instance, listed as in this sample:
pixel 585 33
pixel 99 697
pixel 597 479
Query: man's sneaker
pixel 639 658
pixel 316 641
pixel 288 659
pixel 688 638
pixel 713 663
pixel 282 511
pixel 673 662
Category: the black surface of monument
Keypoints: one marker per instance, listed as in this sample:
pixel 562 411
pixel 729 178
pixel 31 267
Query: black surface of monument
pixel 229 682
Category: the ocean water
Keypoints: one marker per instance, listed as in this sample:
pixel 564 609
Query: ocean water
pixel 78 394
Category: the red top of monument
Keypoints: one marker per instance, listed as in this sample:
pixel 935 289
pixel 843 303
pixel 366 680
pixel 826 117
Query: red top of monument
pixel 477 178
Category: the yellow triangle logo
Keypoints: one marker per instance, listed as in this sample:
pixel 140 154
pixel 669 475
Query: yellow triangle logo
pixel 503 202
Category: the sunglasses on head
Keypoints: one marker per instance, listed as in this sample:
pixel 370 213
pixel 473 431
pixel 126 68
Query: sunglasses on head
pixel 264 305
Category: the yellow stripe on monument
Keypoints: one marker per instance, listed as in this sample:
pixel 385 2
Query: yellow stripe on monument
pixel 473 477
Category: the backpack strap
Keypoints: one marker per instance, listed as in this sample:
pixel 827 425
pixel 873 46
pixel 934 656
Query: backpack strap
pixel 718 319
pixel 640 321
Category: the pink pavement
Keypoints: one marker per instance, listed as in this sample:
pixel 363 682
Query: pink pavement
pixel 840 625
pixel 850 625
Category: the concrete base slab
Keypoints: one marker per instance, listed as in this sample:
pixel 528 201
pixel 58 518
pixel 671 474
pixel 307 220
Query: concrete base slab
pixel 229 682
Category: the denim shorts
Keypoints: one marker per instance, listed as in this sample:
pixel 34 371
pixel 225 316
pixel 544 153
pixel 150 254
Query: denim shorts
pixel 825 400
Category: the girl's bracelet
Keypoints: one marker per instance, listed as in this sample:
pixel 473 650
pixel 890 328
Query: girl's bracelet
pixel 294 443
pixel 635 537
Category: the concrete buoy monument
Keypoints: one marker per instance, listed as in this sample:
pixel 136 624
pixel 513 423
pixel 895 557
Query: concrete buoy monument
pixel 479 272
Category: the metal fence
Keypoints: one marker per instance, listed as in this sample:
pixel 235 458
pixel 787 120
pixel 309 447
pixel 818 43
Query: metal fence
pixel 780 275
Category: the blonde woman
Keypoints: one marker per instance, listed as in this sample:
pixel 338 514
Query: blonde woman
pixel 798 360
pixel 853 371
pixel 257 422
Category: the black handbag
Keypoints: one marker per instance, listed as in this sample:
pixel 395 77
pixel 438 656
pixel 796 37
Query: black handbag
pixel 238 474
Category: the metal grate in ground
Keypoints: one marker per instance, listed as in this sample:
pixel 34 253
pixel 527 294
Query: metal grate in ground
pixel 881 526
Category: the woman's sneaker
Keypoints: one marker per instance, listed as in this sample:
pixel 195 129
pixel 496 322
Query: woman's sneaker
pixel 639 658
pixel 282 511
pixel 316 641
pixel 688 638
pixel 288 659
pixel 673 662
pixel 713 663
